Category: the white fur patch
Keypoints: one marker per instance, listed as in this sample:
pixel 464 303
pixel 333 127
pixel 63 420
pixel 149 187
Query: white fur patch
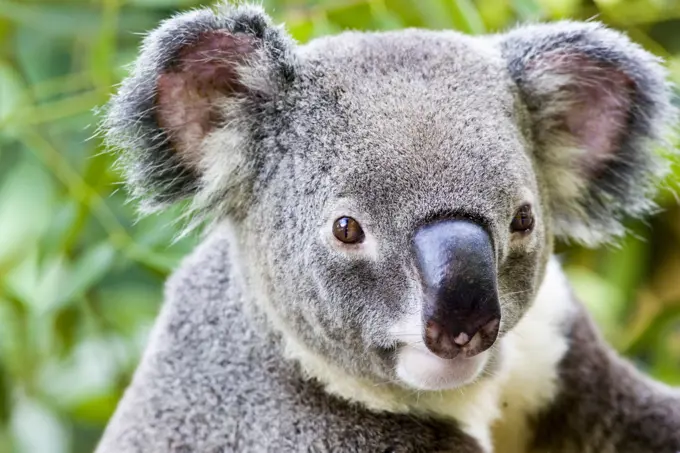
pixel 492 409
pixel 532 352
pixel 420 369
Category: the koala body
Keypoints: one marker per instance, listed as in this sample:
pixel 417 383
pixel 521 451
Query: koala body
pixel 378 275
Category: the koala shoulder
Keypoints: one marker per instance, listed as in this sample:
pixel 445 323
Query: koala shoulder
pixel 605 403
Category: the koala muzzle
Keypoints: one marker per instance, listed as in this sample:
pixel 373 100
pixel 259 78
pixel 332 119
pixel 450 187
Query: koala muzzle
pixel 461 312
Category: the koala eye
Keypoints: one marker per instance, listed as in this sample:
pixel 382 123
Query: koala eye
pixel 523 220
pixel 348 230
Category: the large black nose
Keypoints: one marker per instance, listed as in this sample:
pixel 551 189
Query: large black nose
pixel 461 313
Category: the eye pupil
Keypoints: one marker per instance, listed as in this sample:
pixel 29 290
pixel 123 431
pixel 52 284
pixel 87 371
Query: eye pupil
pixel 348 230
pixel 523 220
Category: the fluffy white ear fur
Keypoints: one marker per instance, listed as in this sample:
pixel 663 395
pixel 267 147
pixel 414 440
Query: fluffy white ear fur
pixel 599 106
pixel 199 74
pixel 493 408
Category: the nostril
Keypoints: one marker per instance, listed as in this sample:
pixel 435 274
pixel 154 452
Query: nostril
pixel 449 343
pixel 439 342
pixel 433 331
pixel 483 339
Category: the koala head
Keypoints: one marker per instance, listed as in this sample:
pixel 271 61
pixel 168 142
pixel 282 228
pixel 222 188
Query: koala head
pixel 393 196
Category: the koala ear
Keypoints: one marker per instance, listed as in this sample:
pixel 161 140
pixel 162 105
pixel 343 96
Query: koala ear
pixel 599 105
pixel 184 117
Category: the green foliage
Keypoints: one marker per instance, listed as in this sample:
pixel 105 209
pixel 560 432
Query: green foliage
pixel 81 275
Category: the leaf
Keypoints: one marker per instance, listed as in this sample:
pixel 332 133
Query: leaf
pixel 40 57
pixel 620 267
pixel 26 200
pixel 96 408
pixel 12 95
pixel 55 19
pixel 125 308
pixel 322 26
pixel 37 428
pixel 66 325
pixel 301 30
pixel 495 13
pixel 355 16
pixel 404 9
pixel 467 18
pixel 64 221
pixel 170 4
pixel 604 301
pixel 435 14
pixel 70 20
pixel 638 12
pixel 387 20
pixel 14 340
pixel 89 269
pixel 102 53
pixel 38 284
pixel 5 397
pixel 527 10
pixel 558 9
pixel 94 364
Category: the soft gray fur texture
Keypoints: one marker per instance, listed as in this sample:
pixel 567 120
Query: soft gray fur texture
pixel 214 381
pixel 272 141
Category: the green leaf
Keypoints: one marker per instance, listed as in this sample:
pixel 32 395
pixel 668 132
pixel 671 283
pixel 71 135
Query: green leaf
pixel 5 396
pixel 173 4
pixel 301 30
pixel 69 20
pixel 496 14
pixel 435 14
pixel 322 26
pixel 604 300
pixel 89 269
pixel 467 18
pixel 527 10
pixel 620 267
pixel 12 95
pixel 355 16
pixel 26 203
pixel 102 53
pixel 40 56
pixel 127 308
pixel 407 13
pixel 559 9
pixel 96 408
pixel 37 428
pixel 66 324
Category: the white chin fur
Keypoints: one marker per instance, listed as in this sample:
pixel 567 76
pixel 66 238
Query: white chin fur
pixel 422 370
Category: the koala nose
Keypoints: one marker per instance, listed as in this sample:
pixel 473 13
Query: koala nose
pixel 461 312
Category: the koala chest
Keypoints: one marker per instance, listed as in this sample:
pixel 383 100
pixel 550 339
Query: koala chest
pixel 528 380
pixel 496 411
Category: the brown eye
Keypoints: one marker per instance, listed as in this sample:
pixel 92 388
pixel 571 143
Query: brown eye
pixel 348 230
pixel 523 220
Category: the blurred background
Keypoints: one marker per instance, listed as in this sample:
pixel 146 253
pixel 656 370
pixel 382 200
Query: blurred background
pixel 81 275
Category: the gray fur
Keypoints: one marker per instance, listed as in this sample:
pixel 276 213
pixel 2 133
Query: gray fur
pixel 234 392
pixel 394 129
pixel 606 405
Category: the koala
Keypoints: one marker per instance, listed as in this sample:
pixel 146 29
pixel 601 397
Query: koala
pixel 377 271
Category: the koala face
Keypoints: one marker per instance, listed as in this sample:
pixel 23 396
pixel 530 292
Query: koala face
pixel 399 167
pixel 394 196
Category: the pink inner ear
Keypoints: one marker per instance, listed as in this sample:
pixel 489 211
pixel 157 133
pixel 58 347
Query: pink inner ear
pixel 206 72
pixel 598 107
